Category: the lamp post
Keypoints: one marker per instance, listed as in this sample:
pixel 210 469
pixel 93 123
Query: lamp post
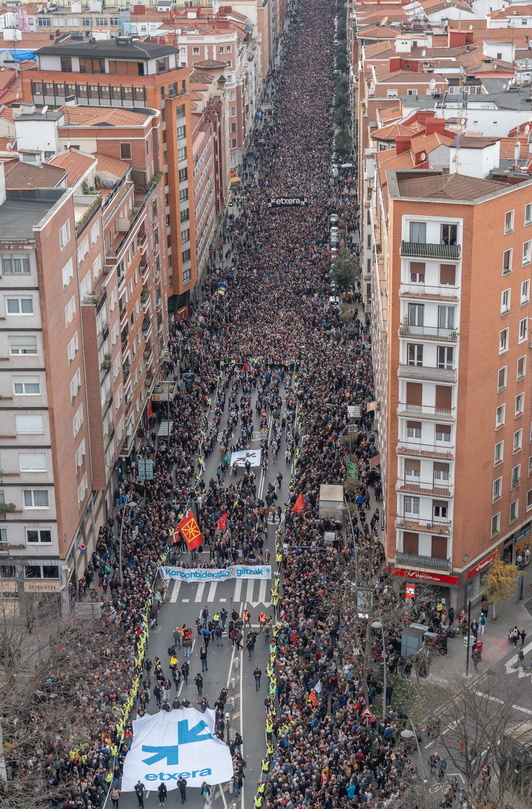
pixel 407 734
pixel 379 625
pixel 130 504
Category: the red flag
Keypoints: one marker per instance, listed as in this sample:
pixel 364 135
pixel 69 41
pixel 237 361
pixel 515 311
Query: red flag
pixel 190 531
pixel 299 505
pixel 221 524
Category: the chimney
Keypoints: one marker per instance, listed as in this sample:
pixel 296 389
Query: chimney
pixel 395 64
pixel 434 125
pixel 2 184
pixel 402 144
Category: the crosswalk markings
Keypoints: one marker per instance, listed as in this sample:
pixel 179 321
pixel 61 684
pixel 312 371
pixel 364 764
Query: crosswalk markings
pixel 175 592
pixel 212 590
pixel 199 594
pixel 254 593
pixel 238 590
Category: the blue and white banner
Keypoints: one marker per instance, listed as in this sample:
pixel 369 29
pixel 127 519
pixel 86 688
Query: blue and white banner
pixel 176 744
pixel 244 456
pixel 215 573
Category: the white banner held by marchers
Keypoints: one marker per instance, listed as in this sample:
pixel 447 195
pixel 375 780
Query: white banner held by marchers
pixel 215 573
pixel 251 455
pixel 173 744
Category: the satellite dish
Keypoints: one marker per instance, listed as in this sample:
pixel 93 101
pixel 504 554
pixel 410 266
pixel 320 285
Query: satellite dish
pixel 432 84
pixel 44 110
pixel 10 147
pixel 470 27
pixel 423 52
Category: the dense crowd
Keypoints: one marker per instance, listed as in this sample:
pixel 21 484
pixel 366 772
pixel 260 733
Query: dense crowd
pixel 271 352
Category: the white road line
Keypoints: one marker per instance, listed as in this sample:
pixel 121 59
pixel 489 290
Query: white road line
pixel 199 593
pixel 222 600
pixel 212 591
pixel 524 710
pixel 249 590
pixel 175 592
pixel 491 698
pixel 238 590
pixel 262 591
pixel 185 600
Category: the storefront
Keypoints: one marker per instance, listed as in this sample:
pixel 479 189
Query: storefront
pixel 475 579
pixel 439 586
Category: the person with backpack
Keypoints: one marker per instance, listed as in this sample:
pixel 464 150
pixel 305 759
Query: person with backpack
pixel 162 792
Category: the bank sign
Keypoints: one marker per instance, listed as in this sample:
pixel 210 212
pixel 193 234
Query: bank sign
pixel 176 744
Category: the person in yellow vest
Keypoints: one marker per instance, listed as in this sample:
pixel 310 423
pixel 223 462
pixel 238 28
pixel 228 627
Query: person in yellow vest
pixel 270 749
pixel 265 768
pixel 261 788
pixel 269 730
pixel 109 777
pixel 257 801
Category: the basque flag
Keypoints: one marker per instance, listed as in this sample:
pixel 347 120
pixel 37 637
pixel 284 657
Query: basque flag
pixel 189 529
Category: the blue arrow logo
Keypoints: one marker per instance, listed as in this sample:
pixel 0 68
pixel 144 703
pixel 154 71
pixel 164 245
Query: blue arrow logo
pixel 185 735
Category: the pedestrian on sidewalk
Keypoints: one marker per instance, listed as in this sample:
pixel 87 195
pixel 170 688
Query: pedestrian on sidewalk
pixel 522 635
pixel 257 675
pixel 115 796
pixel 203 658
pixel 521 658
pixel 182 784
pixel 482 623
pixel 476 658
pixel 198 679
pixel 185 668
pixel 140 791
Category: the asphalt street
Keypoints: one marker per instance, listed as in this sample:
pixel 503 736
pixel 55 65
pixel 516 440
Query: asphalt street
pixel 227 667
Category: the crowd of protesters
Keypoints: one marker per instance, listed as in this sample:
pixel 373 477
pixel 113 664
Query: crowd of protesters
pixel 273 354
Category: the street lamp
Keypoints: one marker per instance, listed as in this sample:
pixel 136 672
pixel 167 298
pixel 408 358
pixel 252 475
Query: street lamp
pixel 379 625
pixel 407 734
pixel 130 504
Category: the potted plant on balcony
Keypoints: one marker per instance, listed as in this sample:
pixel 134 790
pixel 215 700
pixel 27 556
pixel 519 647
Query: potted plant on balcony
pixel 5 507
pixel 106 363
pixel 404 328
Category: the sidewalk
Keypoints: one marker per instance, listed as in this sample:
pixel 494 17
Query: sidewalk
pixel 495 638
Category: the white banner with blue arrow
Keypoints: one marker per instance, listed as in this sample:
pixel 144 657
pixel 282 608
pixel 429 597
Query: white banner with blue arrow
pixel 173 744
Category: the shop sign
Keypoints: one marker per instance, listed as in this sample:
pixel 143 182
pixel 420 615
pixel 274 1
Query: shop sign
pixel 422 575
pixel 41 586
pixel 481 565
pixel 410 591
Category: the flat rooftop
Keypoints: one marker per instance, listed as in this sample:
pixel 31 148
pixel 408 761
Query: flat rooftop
pixel 23 210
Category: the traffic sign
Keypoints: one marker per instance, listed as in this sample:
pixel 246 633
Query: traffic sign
pixel 366 714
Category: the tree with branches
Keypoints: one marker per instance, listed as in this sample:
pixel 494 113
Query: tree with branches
pixel 501 581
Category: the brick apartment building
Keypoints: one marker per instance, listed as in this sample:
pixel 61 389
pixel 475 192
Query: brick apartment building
pixel 126 73
pixel 452 364
pixel 83 331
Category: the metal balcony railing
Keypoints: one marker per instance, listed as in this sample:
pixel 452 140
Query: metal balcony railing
pixel 450 252
pixel 428 333
pixel 427 372
pixel 415 560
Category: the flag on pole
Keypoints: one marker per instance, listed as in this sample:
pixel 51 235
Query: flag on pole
pixel 189 529
pixel 221 524
pixel 299 505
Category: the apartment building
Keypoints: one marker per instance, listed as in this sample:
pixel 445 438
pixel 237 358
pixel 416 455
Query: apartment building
pixel 126 73
pixel 83 332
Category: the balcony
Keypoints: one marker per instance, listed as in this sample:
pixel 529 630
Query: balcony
pixel 444 252
pixel 436 451
pixel 423 526
pixel 425 412
pixel 146 328
pixel 430 488
pixel 126 370
pixel 431 293
pixel 427 373
pixel 145 299
pixel 428 333
pixel 430 562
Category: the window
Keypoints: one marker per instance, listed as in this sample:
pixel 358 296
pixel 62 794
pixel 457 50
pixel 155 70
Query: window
pixel 445 356
pixel 85 285
pixel 125 151
pixel 35 498
pixel 186 276
pixel 97 265
pixel 502 378
pixel 64 234
pixel 527 252
pixel 31 424
pixel 417 272
pixel 88 65
pixel 413 429
pixel 498 453
pixel 185 255
pixel 525 292
pixel 497 489
pixel 22 344
pixel 183 194
pixel 181 132
pixel 83 249
pixel 15 265
pixel 80 454
pixel 82 489
pixel 440 509
pixel 441 472
pixel 418 232
pixel 518 440
pixel 412 468
pixel 77 421
pixel 32 461
pixel 528 213
pixel 503 340
pixel 44 22
pixel 505 301
pixel 70 311
pixel 41 571
pixel 507 262
pixel 521 368
pixel 519 404
pixel 449 234
pixel 508 221
pixel 182 153
pixel 73 348
pixel 446 319
pixel 95 233
pixel 185 235
pixel 529 500
pixel 516 475
pixel 66 64
pixel 19 306
pixel 414 354
pixel 4 541
pixel 26 385
pixel 183 175
pixel 67 273
pixel 75 384
pixel 495 524
pixel 447 274
pixel 411 505
pixel 500 415
pixel 523 330
pixel 416 314
pixel 38 535
pixel 443 433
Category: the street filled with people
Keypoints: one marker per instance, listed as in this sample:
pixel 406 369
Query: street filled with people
pixel 263 356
